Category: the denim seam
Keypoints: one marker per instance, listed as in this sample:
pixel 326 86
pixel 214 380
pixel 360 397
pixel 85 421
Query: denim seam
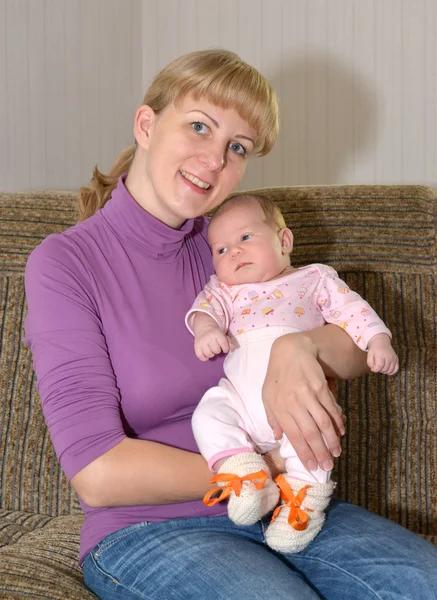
pixel 115 581
pixel 337 568
pixel 101 546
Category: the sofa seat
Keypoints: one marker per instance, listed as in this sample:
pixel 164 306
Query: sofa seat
pixel 38 556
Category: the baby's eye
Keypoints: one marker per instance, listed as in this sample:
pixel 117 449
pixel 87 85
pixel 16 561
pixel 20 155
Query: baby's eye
pixel 246 237
pixel 238 148
pixel 199 127
pixel 221 250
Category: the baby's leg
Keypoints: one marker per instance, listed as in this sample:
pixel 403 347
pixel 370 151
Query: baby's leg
pixel 305 496
pixel 242 474
pixel 218 424
pixel 295 467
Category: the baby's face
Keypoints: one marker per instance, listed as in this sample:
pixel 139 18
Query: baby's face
pixel 245 249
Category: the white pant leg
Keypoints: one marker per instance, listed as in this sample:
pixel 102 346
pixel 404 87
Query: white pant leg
pixel 230 417
pixel 218 424
pixel 246 369
pixel 295 468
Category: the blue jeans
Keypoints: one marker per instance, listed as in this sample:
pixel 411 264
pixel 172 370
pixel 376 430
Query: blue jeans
pixel 357 555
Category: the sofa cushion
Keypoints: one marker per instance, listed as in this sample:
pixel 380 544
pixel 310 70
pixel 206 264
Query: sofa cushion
pixel 38 557
pixel 30 477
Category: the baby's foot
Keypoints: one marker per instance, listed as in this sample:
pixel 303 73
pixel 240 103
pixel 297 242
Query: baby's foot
pixel 245 479
pixel 300 517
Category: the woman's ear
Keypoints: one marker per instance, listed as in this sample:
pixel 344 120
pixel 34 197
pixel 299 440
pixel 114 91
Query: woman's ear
pixel 286 238
pixel 144 124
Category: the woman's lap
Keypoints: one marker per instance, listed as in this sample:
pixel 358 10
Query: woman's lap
pixel 356 555
pixel 360 555
pixel 192 559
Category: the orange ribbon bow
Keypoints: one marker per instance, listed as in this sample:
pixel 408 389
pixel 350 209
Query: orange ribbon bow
pixel 297 517
pixel 233 483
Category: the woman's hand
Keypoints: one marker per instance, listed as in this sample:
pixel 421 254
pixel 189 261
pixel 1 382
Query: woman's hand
pixel 298 401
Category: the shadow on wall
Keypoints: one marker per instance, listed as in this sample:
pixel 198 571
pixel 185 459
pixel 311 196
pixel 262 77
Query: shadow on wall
pixel 328 120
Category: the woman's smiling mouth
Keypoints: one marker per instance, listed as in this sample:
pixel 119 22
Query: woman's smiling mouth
pixel 195 180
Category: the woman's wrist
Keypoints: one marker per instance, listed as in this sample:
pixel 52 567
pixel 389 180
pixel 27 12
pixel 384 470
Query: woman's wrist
pixel 302 342
pixel 332 347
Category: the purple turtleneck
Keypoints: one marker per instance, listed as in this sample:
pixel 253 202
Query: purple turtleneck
pixel 106 326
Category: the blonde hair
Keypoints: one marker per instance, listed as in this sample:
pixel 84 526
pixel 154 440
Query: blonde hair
pixel 272 213
pixel 223 79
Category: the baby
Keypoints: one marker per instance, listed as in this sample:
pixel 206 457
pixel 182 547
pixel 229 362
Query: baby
pixel 255 297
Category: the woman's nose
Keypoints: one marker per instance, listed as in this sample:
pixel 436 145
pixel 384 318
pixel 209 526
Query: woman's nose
pixel 213 159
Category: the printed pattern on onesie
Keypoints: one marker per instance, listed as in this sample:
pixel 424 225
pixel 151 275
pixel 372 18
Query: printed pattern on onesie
pixel 304 299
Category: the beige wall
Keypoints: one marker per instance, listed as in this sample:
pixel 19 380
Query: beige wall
pixel 357 82
pixel 70 80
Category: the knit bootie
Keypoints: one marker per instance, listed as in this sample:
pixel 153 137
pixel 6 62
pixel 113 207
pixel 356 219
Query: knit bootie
pixel 245 479
pixel 300 517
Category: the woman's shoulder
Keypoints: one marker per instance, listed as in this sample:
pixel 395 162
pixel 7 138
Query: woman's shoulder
pixel 56 244
pixel 66 249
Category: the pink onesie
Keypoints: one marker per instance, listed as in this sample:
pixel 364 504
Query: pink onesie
pixel 231 418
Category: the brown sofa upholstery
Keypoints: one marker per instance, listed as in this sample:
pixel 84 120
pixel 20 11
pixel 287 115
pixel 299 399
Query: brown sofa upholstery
pixel 381 239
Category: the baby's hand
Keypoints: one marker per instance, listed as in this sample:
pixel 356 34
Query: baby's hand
pixel 211 341
pixel 381 358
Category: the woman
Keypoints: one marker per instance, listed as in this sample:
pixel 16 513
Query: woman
pixel 119 380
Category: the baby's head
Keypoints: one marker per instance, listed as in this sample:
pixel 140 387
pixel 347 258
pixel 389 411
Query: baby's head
pixel 249 240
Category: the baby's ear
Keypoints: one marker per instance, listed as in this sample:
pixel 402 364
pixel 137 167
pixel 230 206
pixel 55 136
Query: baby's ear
pixel 286 238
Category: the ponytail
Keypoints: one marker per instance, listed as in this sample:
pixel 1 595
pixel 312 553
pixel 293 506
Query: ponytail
pixel 100 189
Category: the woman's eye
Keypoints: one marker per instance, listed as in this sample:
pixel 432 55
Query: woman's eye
pixel 199 127
pixel 221 250
pixel 238 148
pixel 246 237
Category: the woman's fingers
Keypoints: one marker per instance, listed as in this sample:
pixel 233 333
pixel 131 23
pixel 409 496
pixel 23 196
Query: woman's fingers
pixel 306 439
pixel 307 424
pixel 311 421
pixel 334 408
pixel 298 401
pixel 329 419
pixel 325 424
pixel 304 433
pixel 274 424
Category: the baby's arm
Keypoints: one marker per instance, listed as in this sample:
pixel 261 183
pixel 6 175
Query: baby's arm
pixel 209 338
pixel 381 358
pixel 343 307
pixel 208 320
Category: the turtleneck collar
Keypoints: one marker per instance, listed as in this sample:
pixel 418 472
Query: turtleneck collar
pixel 141 230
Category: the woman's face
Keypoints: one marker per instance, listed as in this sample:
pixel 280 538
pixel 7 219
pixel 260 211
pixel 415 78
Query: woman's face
pixel 195 155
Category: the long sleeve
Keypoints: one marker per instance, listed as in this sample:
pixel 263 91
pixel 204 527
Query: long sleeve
pixel 343 307
pixel 75 378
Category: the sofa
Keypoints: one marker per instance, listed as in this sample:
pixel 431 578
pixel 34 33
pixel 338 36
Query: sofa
pixel 381 240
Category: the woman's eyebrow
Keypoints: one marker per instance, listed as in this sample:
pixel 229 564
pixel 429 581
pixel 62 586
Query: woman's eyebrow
pixel 206 115
pixel 239 135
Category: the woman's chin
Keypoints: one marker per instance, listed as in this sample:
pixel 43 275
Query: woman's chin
pixel 190 209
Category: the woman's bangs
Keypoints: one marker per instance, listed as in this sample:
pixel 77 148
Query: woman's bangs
pixel 252 98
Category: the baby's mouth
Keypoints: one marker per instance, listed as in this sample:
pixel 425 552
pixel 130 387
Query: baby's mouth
pixel 242 264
